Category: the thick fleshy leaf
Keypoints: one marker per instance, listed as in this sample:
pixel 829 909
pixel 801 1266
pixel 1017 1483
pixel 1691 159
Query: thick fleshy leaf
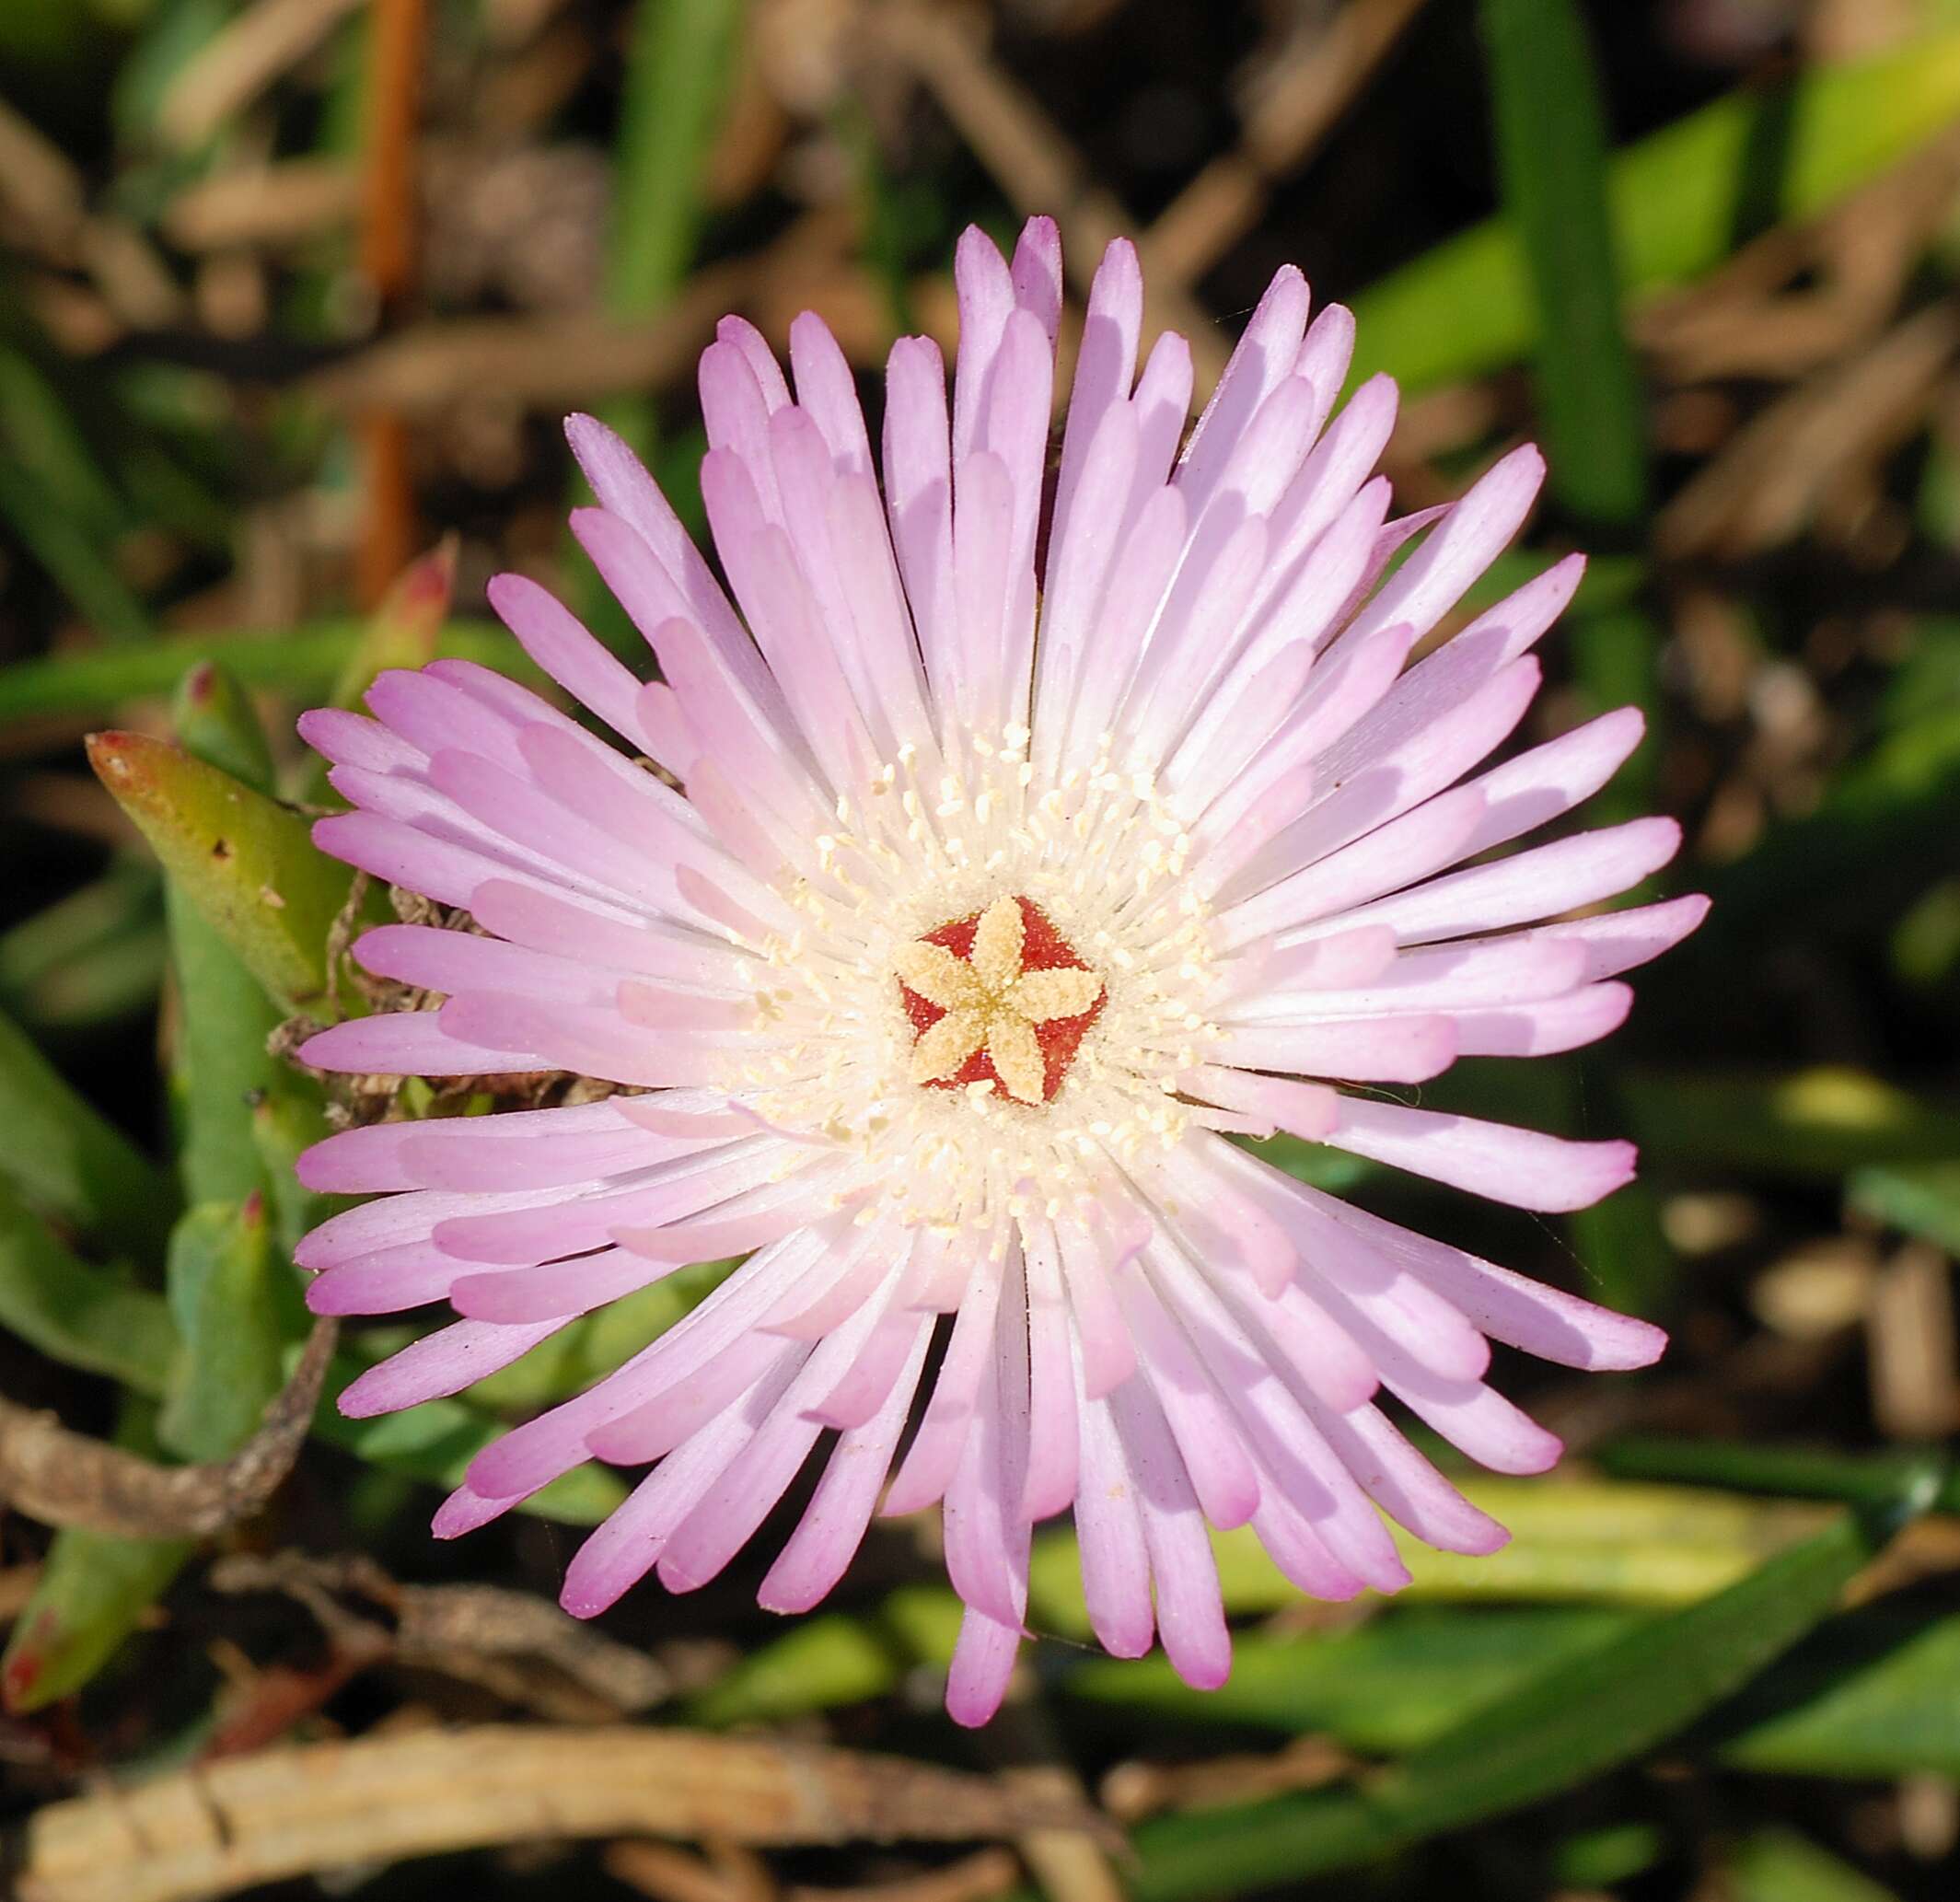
pixel 214 721
pixel 93 1591
pixel 246 862
pixel 224 1078
pixel 404 630
pixel 234 1305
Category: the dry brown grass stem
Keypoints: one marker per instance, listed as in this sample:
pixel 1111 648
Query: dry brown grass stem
pixel 66 1479
pixel 284 1813
pixel 1035 165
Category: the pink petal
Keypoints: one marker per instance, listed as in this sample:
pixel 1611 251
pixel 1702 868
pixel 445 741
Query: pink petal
pixel 1530 885
pixel 1114 1562
pixel 410 1043
pixel 825 387
pixel 1519 1166
pixel 1566 1023
pixel 439 1364
pixel 555 640
pixel 833 1525
pixel 982 1663
pixel 1371 1050
pixel 1263 356
pixel 1190 1613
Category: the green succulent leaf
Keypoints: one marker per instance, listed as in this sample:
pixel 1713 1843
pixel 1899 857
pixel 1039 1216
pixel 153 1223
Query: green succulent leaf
pixel 92 1593
pixel 235 1304
pixel 246 862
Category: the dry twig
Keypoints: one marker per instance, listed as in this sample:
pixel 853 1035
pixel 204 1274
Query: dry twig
pixel 671 1875
pixel 1135 1790
pixel 238 63
pixel 1910 1334
pixel 557 361
pixel 40 188
pixel 1772 475
pixel 287 202
pixel 66 1479
pixel 1035 165
pixel 1301 92
pixel 517 1647
pixel 283 1812
pixel 1806 294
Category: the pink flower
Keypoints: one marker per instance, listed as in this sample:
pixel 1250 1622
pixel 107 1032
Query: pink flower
pixel 998 901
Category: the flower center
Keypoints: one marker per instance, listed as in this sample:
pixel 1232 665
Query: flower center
pixel 998 999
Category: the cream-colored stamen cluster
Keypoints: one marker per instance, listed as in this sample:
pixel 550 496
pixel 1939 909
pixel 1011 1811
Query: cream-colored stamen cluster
pixel 991 1003
pixel 961 834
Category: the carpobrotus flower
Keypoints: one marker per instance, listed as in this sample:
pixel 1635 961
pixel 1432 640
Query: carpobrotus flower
pixel 1006 890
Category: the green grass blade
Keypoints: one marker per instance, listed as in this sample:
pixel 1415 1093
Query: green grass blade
pixel 1606 1707
pixel 1794 1471
pixel 1604 1549
pixel 1866 1695
pixel 89 957
pixel 69 1163
pixel 677 78
pixel 677 71
pixel 1677 197
pixel 1871 1694
pixel 1780 1865
pixel 305 662
pixel 1616 656
pixel 56 499
pixel 1551 152
pixel 75 1313
pixel 1805 1125
pixel 1923 1199
pixel 92 1593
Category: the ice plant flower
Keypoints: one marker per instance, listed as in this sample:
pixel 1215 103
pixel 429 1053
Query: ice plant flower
pixel 1029 857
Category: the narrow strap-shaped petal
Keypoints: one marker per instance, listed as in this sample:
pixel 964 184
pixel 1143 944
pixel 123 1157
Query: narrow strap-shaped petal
pixel 919 499
pixel 1105 366
pixel 1190 1609
pixel 825 387
pixel 840 1512
pixel 1531 884
pixel 1523 1168
pixel 986 294
pixel 1264 354
pixel 439 1364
